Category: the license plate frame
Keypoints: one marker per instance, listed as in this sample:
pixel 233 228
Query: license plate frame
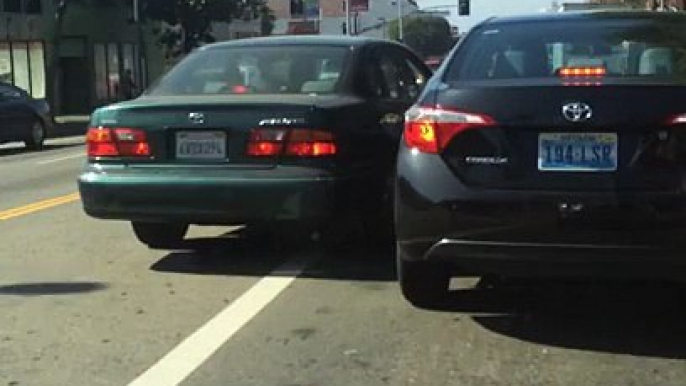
pixel 212 145
pixel 578 152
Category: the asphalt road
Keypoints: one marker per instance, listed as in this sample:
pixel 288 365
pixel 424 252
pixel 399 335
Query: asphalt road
pixel 83 304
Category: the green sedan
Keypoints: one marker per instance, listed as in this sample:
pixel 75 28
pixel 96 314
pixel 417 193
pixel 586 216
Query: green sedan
pixel 270 133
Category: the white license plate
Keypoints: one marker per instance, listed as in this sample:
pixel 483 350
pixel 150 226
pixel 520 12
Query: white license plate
pixel 201 145
pixel 577 152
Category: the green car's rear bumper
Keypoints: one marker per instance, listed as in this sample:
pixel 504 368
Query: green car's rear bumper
pixel 209 196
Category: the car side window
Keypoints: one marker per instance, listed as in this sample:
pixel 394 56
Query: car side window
pixel 370 74
pixel 417 79
pixel 402 80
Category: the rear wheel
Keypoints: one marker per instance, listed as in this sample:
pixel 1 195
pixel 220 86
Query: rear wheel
pixel 160 235
pixel 36 137
pixel 425 284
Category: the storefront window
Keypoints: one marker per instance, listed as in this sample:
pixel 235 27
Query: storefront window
pixel 129 60
pixel 20 66
pixel 23 65
pixel 37 66
pixel 100 59
pixel 113 70
pixel 111 61
pixel 5 63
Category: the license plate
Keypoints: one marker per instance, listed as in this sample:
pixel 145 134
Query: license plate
pixel 201 145
pixel 577 152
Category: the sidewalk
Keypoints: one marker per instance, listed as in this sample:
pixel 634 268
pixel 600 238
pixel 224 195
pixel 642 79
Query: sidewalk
pixel 70 125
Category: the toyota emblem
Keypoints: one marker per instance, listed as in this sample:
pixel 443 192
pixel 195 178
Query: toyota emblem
pixel 196 118
pixel 577 112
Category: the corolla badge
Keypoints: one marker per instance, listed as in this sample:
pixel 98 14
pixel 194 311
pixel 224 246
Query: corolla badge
pixel 577 112
pixel 196 118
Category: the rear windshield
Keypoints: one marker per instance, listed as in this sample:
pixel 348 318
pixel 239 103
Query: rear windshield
pixel 256 70
pixel 641 49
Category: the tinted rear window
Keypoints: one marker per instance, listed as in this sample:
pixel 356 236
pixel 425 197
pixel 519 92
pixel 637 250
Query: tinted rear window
pixel 632 48
pixel 257 70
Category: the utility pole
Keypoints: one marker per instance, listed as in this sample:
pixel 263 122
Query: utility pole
pixel 401 38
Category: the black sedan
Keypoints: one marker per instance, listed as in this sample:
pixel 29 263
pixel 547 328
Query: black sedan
pixel 548 145
pixel 277 133
pixel 23 118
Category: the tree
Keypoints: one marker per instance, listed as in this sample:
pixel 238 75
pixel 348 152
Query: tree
pixel 190 21
pixel 426 34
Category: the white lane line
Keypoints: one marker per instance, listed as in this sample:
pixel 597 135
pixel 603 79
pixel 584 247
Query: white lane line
pixel 190 354
pixel 59 159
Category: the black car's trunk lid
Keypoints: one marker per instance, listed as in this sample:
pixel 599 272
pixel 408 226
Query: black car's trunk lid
pixel 624 141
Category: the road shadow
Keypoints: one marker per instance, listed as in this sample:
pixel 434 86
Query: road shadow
pixel 47 148
pixel 621 317
pixel 236 255
pixel 51 288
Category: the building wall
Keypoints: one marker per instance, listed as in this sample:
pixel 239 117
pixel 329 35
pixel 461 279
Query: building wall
pixel 327 17
pixel 648 4
pixel 24 48
pixel 80 74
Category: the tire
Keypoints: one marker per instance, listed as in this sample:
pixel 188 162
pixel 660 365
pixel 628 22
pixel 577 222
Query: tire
pixel 424 284
pixel 36 137
pixel 160 235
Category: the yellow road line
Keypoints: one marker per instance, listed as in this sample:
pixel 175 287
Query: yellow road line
pixel 38 206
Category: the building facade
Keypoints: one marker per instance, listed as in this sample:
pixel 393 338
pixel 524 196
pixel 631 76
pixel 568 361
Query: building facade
pixel 673 5
pixel 23 51
pixel 100 46
pixel 328 17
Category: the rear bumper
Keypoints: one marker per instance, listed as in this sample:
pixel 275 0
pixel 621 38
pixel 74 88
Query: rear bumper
pixel 209 196
pixel 520 232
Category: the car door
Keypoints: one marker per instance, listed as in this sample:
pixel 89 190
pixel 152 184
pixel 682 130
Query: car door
pixel 396 80
pixel 389 79
pixel 15 113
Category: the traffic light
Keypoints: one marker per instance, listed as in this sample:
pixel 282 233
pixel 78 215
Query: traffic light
pixel 463 7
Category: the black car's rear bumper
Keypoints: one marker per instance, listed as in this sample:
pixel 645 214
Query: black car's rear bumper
pixel 207 196
pixel 439 218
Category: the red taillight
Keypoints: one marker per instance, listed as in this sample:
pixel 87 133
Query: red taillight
pixel 677 119
pixel 266 142
pixel 429 130
pixel 117 142
pixel 310 143
pixel 567 72
pixel 296 142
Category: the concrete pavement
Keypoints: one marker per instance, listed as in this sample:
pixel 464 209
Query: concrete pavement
pixel 85 304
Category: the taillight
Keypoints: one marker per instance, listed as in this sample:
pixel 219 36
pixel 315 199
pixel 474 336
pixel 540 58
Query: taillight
pixel 429 130
pixel 117 142
pixel 266 142
pixel 294 142
pixel 310 143
pixel 567 72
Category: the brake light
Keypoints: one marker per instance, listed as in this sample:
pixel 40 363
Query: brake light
pixel 567 72
pixel 310 143
pixel 266 143
pixel 677 120
pixel 429 130
pixel 117 142
pixel 296 142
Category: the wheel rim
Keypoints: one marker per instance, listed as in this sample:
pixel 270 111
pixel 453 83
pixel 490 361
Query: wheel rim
pixel 37 133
